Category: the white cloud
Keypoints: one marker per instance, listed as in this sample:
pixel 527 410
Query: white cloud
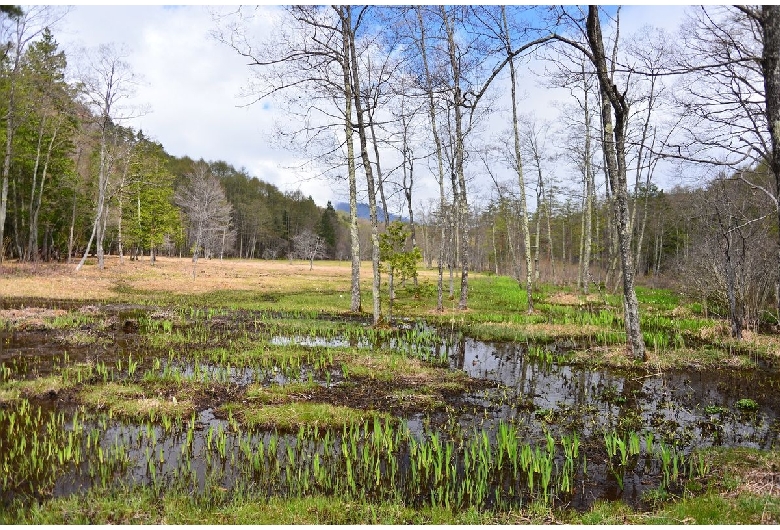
pixel 192 84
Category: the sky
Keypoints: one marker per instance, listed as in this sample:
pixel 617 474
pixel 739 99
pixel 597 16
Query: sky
pixel 192 84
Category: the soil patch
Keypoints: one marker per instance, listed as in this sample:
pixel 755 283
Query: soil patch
pixel 29 317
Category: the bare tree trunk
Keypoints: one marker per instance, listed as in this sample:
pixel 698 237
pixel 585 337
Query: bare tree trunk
pixel 355 304
pixel 32 239
pixel 103 185
pixel 459 192
pixel 493 239
pixel 346 13
pixel 564 218
pixel 9 132
pixel 643 225
pixel 731 283
pixel 97 227
pixel 503 203
pixel 408 176
pixel 120 194
pixel 659 246
pixel 639 167
pixel 770 61
pixel 72 224
pixel 19 208
pixel 380 186
pixel 10 129
pixel 589 192
pixel 379 178
pixel 519 168
pixel 541 208
pixel 580 263
pixel 615 154
pixel 548 213
pixel 35 209
pixel 439 158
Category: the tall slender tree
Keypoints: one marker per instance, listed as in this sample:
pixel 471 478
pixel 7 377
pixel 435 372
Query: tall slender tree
pixel 614 146
pixel 108 81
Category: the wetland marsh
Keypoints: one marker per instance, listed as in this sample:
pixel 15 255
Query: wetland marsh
pixel 213 400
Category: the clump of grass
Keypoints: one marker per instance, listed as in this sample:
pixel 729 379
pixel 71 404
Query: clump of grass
pixel 248 353
pixel 382 367
pixel 401 369
pixel 714 409
pixel 41 386
pixel 133 401
pixel 8 394
pixel 71 320
pixel 83 338
pixel 747 404
pixel 607 513
pixel 291 416
pixel 280 394
pixel 31 388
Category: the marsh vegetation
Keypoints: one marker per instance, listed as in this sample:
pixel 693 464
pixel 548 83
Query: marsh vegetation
pixel 216 404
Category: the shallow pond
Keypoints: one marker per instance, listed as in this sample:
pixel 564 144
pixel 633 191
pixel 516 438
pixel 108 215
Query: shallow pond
pixel 540 430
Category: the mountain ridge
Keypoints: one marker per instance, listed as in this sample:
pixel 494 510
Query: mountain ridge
pixel 363 212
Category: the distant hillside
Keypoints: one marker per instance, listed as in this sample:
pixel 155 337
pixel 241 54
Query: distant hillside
pixel 363 212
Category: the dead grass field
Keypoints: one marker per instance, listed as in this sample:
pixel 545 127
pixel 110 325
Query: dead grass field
pixel 175 275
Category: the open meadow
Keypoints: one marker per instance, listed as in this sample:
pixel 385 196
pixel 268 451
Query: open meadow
pixel 246 392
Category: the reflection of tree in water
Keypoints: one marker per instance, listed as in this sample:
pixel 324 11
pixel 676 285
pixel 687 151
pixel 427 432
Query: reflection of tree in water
pixel 540 397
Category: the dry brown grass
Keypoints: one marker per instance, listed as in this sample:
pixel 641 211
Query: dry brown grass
pixel 758 482
pixel 559 330
pixel 720 332
pixel 572 299
pixel 32 388
pixel 29 317
pixel 132 401
pixel 174 275
pixel 765 343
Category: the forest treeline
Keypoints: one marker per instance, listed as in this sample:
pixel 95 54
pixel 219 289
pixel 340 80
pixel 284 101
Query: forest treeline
pixel 61 150
pixel 396 95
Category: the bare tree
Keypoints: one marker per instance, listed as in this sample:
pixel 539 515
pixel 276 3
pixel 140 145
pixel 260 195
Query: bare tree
pixel 518 163
pixel 108 81
pixel 428 87
pixel 614 146
pixel 345 16
pixel 308 55
pixel 308 245
pixel 208 212
pixel 588 174
pixel 731 104
pixel 534 143
pixel 467 89
pixel 731 251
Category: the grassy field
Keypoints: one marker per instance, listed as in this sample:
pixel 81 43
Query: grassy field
pixel 676 331
pixel 739 485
